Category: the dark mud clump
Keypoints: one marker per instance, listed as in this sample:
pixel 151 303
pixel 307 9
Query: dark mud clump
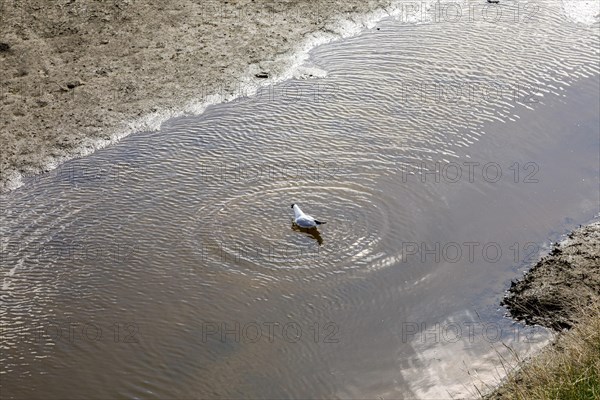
pixel 556 290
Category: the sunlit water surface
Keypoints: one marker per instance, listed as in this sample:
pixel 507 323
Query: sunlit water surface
pixel 166 266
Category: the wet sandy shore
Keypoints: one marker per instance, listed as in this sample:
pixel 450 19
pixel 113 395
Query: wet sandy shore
pixel 555 291
pixel 75 74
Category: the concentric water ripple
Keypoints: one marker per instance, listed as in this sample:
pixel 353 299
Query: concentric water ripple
pixel 202 212
pixel 251 231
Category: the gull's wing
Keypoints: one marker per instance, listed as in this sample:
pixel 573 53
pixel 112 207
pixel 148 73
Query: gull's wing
pixel 306 221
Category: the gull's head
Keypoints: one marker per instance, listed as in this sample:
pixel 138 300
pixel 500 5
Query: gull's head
pixel 297 211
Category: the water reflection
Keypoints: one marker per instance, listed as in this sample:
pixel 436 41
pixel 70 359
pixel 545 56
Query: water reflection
pixel 206 239
pixel 312 232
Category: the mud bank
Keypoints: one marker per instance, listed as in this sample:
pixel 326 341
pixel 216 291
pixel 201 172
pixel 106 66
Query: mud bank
pixel 76 74
pixel 561 291
pixel 556 290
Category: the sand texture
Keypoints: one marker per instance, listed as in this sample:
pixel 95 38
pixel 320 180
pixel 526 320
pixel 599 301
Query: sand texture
pixel 76 73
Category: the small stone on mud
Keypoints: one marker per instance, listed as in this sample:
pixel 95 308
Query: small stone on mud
pixel 74 84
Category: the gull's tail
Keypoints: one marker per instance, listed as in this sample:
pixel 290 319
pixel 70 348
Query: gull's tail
pixel 319 222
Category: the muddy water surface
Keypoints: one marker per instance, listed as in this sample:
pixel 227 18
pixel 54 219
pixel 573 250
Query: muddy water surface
pixel 443 156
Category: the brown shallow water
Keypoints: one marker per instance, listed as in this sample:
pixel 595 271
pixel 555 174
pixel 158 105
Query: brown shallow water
pixel 166 266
